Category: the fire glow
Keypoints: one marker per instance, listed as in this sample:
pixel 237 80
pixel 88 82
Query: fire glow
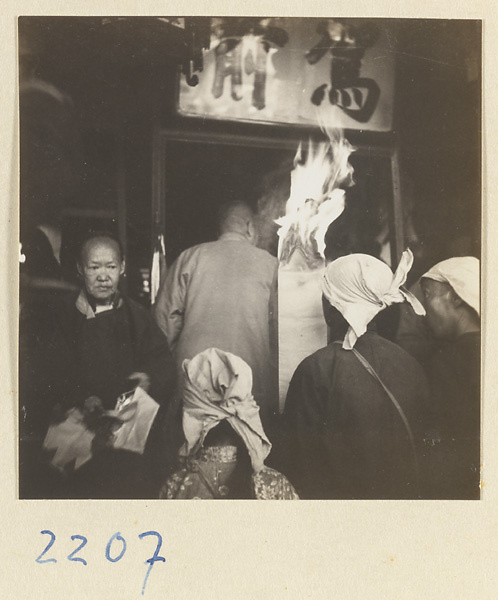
pixel 316 199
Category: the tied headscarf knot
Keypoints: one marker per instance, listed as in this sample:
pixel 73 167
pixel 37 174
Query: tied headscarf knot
pixel 218 387
pixel 360 286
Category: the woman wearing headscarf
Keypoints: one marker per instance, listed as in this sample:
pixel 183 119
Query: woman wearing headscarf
pixel 225 444
pixel 354 408
pixel 452 301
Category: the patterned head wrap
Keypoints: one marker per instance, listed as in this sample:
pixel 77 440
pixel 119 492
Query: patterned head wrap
pixel 359 286
pixel 462 273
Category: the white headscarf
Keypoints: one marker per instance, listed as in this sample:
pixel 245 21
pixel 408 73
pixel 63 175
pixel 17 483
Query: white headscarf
pixel 217 386
pixel 462 273
pixel 360 286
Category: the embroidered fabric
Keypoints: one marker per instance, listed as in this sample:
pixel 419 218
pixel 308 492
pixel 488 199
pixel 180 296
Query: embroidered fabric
pixel 269 484
pixel 222 454
pixel 208 481
pixel 205 476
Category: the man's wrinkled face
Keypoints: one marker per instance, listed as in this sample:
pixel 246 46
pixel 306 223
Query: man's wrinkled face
pixel 440 307
pixel 101 267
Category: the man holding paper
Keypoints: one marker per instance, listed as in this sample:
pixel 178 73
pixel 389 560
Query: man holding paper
pixel 104 345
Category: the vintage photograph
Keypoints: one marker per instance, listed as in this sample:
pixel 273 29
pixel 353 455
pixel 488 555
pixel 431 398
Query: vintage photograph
pixel 249 258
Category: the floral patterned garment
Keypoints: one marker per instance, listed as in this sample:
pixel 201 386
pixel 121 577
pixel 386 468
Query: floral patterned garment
pixel 205 477
pixel 269 484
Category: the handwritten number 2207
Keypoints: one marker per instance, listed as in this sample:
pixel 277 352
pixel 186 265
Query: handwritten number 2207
pixel 111 553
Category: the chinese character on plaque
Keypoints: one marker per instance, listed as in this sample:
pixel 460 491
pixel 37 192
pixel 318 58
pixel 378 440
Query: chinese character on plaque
pixel 335 72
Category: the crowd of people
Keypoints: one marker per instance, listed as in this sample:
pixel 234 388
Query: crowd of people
pixel 194 382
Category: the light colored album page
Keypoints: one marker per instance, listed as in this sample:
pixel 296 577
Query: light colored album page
pixel 243 549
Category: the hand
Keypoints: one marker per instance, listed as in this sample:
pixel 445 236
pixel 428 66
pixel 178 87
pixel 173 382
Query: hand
pixel 105 428
pixel 142 379
pixel 92 405
pixel 92 410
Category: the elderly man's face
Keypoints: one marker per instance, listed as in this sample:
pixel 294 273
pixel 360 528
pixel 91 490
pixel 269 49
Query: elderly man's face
pixel 101 267
pixel 440 308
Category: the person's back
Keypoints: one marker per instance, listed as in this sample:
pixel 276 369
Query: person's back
pixel 227 304
pixel 360 446
pixel 353 409
pixel 218 294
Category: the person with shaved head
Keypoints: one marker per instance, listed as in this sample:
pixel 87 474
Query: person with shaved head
pixel 114 337
pixel 104 344
pixel 217 294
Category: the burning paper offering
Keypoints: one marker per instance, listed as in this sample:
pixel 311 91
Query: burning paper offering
pixel 316 199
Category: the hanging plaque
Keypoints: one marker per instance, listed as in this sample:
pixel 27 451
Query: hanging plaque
pixel 332 72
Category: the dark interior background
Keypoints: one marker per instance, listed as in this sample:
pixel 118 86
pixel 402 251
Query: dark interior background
pixel 199 177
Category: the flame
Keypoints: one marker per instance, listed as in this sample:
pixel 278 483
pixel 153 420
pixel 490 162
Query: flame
pixel 316 198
